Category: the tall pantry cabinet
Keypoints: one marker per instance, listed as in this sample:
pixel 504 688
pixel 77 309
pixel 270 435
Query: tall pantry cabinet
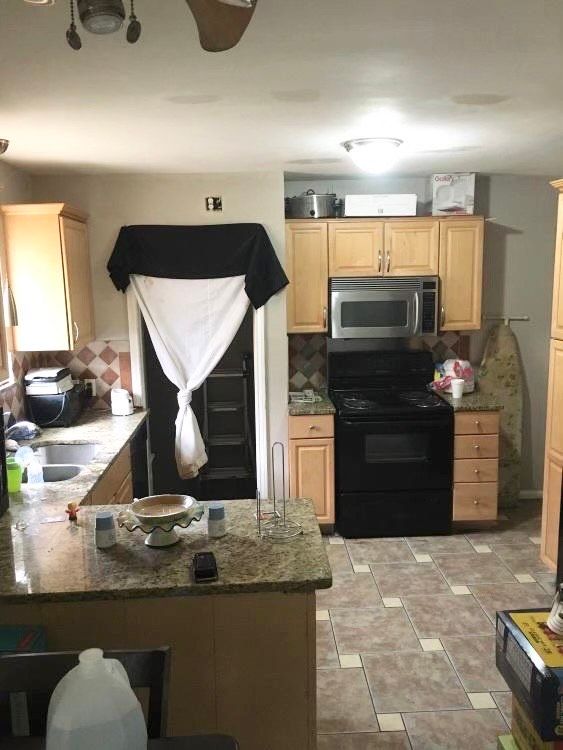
pixel 553 468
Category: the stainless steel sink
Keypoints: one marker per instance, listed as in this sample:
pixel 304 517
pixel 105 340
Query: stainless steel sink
pixel 59 472
pixel 67 453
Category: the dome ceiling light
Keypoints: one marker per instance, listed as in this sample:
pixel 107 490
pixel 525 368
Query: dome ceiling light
pixel 373 155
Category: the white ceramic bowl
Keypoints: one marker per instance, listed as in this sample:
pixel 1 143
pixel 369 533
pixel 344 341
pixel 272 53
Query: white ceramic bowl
pixel 161 508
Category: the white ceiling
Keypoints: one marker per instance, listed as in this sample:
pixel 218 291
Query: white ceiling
pixel 469 85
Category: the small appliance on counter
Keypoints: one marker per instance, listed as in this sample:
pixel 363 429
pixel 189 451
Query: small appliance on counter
pixel 121 402
pixel 53 400
pixel 311 205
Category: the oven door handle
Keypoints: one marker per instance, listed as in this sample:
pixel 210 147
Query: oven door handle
pixel 417 327
pixel 374 427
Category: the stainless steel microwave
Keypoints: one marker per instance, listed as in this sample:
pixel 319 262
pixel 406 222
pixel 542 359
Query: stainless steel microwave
pixel 383 307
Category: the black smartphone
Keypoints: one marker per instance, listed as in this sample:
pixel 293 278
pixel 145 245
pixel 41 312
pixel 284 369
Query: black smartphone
pixel 205 567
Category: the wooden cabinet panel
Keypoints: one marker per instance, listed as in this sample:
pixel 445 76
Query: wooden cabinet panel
pixel 557 310
pixel 461 273
pixel 475 502
pixel 412 247
pixel 476 446
pixel 476 470
pixel 554 425
pixel 355 249
pixel 307 269
pixel 311 466
pixel 477 423
pixel 124 494
pixel 48 272
pixel 551 511
pixel 315 426
pixel 112 481
pixel 76 259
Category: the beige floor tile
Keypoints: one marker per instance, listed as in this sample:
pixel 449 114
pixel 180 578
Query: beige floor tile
pixel 473 658
pixel 481 700
pixel 535 539
pixel 343 702
pixel 366 551
pixel 524 578
pixel 504 702
pixel 483 549
pixel 473 568
pixel 413 681
pixel 452 545
pixel 350 661
pixel 360 568
pixel 335 540
pixel 438 616
pixel 338 558
pixel 431 644
pixel 390 722
pixel 326 646
pixel 402 579
pixel 392 601
pixel 521 559
pixel 494 597
pixel 460 590
pixel 379 741
pixel 322 614
pixel 349 590
pixel 359 631
pixel 421 557
pixel 455 730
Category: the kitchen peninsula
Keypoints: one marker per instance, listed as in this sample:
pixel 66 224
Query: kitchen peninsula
pixel 243 648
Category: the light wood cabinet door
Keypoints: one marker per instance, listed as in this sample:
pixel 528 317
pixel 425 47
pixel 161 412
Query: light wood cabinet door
pixel 554 423
pixel 551 511
pixel 557 311
pixel 76 261
pixel 307 269
pixel 412 247
pixel 311 467
pixel 475 502
pixel 461 273
pixel 355 249
pixel 48 272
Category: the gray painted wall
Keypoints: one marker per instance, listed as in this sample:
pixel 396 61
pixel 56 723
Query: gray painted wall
pixel 518 276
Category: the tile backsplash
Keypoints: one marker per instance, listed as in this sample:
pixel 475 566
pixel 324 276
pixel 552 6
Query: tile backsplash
pixel 308 356
pixel 106 362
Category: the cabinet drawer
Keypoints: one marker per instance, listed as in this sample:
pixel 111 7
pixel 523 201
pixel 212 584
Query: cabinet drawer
pixel 475 502
pixel 110 482
pixel 476 470
pixel 476 446
pixel 316 426
pixel 477 423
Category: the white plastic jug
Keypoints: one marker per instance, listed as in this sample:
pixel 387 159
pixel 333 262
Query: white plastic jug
pixel 94 707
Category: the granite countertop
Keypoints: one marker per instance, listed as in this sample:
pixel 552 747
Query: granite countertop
pixel 475 401
pixel 324 406
pixel 58 561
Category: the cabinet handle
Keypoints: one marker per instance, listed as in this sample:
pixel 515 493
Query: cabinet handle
pixel 13 307
pixel 476 446
pixel 388 266
pixel 476 501
pixel 380 262
pixel 476 471
pixel 76 331
pixel 324 317
pixel 442 316
pixel 477 423
pixel 313 427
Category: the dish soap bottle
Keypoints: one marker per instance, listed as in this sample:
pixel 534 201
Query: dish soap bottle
pixel 94 707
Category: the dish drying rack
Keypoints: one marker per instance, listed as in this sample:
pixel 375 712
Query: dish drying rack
pixel 278 528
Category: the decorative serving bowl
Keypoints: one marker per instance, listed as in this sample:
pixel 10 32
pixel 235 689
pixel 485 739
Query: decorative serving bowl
pixel 156 509
pixel 158 515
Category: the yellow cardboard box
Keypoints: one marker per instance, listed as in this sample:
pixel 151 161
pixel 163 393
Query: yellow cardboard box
pixel 525 734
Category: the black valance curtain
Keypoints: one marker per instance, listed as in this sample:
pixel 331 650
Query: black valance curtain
pixel 199 252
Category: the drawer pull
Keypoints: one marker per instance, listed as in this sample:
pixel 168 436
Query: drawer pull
pixel 476 471
pixel 477 423
pixel 476 447
pixel 476 502
pixel 313 427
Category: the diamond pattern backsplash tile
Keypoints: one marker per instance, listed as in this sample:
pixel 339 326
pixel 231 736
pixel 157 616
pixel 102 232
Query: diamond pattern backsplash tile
pixel 308 356
pixel 106 362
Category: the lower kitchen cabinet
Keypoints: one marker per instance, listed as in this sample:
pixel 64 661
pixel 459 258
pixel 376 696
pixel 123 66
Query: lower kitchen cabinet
pixel 476 451
pixel 553 457
pixel 311 463
pixel 115 486
pixel 553 480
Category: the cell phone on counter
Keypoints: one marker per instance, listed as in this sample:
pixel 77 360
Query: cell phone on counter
pixel 205 567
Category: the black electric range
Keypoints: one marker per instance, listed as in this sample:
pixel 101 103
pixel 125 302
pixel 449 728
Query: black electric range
pixel 394 445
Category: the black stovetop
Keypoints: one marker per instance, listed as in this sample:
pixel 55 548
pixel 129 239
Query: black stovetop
pixel 374 402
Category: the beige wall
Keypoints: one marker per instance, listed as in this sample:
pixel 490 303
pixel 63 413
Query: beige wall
pixel 518 276
pixel 115 200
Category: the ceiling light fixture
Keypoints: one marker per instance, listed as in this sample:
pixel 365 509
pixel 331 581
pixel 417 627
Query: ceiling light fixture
pixel 374 155
pixel 4 143
pixel 239 3
pixel 102 17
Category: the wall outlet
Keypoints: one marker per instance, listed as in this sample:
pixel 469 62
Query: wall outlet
pixel 90 387
pixel 214 203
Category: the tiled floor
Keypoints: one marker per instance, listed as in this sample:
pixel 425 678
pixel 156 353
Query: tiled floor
pixel 405 637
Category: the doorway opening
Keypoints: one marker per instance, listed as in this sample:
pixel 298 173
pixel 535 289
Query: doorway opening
pixel 224 407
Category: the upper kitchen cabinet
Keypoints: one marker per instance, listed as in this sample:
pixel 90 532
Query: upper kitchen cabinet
pixel 557 315
pixel 461 273
pixel 412 247
pixel 355 248
pixel 307 266
pixel 48 270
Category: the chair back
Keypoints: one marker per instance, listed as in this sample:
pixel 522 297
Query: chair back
pixel 33 677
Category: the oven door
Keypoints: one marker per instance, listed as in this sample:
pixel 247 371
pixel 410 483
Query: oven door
pixel 381 313
pixel 394 454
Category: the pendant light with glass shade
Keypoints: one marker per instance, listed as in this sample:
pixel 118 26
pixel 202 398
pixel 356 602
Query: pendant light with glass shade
pixel 373 155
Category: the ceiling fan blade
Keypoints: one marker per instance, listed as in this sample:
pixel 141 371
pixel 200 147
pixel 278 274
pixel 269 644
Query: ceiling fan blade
pixel 220 25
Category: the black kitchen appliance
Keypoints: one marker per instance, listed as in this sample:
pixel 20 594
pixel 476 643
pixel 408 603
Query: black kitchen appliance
pixel 394 445
pixel 57 409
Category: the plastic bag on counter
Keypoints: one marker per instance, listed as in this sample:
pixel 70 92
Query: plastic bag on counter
pixel 451 369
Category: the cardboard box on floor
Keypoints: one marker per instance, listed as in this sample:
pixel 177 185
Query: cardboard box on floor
pixel 530 658
pixel 525 735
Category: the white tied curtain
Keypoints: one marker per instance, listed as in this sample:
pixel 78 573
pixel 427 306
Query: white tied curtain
pixel 191 323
